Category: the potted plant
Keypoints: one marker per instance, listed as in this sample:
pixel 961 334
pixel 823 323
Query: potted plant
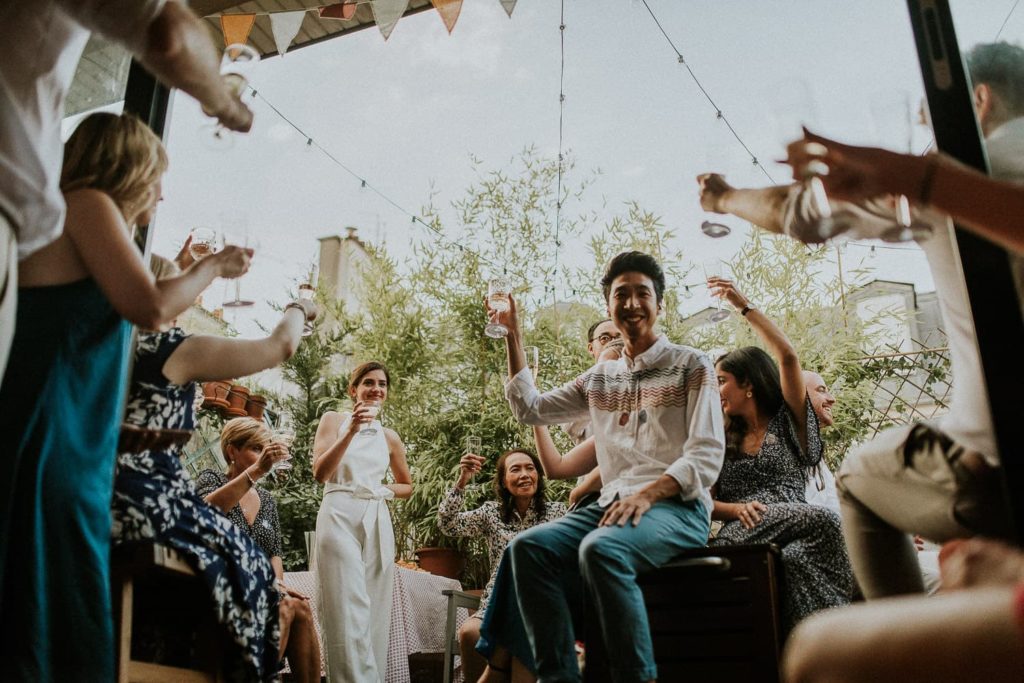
pixel 255 406
pixel 215 395
pixel 237 398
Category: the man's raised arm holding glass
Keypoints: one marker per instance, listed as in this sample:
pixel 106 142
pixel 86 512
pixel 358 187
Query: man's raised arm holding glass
pixel 659 441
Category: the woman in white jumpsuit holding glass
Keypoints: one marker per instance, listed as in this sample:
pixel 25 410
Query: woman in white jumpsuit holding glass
pixel 355 542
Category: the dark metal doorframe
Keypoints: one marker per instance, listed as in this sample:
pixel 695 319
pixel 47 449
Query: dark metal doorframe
pixel 150 100
pixel 999 327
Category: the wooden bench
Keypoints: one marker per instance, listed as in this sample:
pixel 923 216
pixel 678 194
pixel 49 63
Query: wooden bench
pixel 713 614
pixel 156 592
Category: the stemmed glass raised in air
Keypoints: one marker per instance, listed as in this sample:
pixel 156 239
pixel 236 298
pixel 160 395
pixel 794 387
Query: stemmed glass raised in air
pixel 203 242
pixel 473 445
pixel 236 64
pixel 894 117
pixel 498 290
pixel 284 436
pixel 532 360
pixel 244 239
pixel 715 268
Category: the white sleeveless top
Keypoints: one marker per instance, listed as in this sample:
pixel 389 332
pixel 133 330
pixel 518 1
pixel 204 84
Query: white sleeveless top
pixel 363 466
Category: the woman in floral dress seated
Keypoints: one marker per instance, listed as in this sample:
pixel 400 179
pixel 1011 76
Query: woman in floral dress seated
pixel 520 504
pixel 772 444
pixel 244 443
pixel 154 499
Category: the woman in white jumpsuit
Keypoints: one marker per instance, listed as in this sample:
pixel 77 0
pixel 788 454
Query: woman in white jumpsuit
pixel 355 543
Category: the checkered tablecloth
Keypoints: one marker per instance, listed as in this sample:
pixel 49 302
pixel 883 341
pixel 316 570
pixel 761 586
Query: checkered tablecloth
pixel 419 614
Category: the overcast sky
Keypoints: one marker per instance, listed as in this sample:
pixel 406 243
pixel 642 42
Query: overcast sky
pixel 406 114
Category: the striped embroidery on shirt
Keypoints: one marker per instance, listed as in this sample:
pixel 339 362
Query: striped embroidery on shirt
pixel 658 387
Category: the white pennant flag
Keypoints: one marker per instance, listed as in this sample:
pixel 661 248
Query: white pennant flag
pixel 285 26
pixel 387 13
pixel 509 5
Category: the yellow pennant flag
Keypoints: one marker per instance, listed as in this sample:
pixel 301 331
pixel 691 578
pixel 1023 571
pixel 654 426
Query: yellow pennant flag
pixel 236 27
pixel 449 11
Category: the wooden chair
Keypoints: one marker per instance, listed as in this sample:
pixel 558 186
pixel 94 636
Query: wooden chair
pixel 456 600
pixel 152 585
pixel 713 614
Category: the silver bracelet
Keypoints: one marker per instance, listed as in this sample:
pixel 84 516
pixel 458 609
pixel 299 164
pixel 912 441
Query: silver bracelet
pixel 248 476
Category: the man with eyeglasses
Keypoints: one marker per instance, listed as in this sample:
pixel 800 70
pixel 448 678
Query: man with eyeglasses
pixel 604 342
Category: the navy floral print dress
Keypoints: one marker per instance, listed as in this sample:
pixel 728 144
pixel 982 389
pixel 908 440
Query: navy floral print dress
pixel 815 564
pixel 155 501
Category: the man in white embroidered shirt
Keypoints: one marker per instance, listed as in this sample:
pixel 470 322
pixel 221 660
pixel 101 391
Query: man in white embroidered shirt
pixel 659 441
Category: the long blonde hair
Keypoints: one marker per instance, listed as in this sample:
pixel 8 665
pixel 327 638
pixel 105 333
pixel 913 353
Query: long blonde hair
pixel 116 154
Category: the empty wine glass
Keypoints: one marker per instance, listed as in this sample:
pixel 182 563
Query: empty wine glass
pixel 202 243
pixel 474 445
pixel 498 290
pixel 236 63
pixel 715 268
pixel 894 118
pixel 532 359
pixel 372 409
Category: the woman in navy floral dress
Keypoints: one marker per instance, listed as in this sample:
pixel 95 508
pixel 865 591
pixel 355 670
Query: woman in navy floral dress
pixel 772 444
pixel 155 501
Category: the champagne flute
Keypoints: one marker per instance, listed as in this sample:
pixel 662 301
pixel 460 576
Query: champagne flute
pixel 715 268
pixel 474 444
pixel 284 436
pixel 532 359
pixel 236 63
pixel 498 290
pixel 202 243
pixel 372 409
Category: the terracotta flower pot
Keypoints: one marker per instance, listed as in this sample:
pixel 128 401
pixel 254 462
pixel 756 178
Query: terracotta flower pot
pixel 215 395
pixel 441 561
pixel 255 405
pixel 236 400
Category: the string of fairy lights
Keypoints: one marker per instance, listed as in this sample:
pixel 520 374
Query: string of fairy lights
pixel 550 287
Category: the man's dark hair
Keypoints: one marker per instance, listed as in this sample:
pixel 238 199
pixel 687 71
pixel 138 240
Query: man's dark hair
pixel 1001 67
pixel 634 262
pixel 593 328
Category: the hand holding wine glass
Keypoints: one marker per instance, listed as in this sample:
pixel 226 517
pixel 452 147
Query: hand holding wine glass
pixel 499 291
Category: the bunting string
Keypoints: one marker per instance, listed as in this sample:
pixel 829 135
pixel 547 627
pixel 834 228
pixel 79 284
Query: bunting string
pixel 365 184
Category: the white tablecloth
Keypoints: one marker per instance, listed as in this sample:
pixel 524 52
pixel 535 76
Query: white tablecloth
pixel 419 614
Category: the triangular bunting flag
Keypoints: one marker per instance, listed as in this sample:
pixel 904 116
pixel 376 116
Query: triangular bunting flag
pixel 387 13
pixel 449 11
pixel 285 26
pixel 345 11
pixel 236 27
pixel 509 5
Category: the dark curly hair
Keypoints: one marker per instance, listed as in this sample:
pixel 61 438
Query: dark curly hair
pixel 505 496
pixel 634 262
pixel 750 365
